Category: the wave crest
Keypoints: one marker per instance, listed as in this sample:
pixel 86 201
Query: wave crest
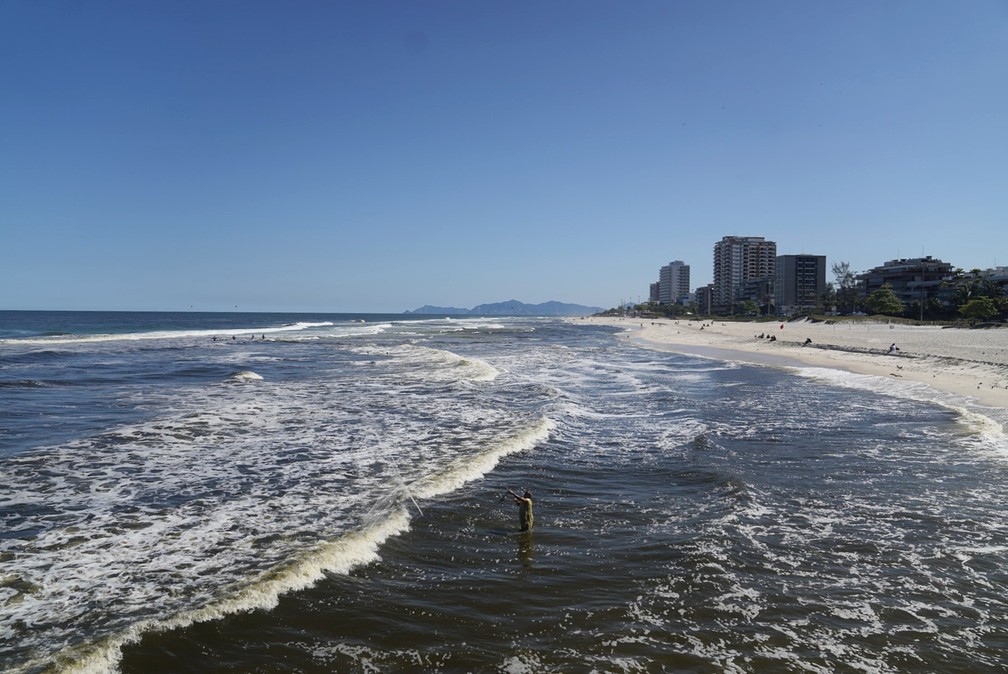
pixel 245 375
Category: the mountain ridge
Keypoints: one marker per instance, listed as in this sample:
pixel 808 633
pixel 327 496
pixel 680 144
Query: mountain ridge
pixel 512 308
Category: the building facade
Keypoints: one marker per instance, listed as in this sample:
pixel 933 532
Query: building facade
pixel 703 299
pixel 912 279
pixel 738 260
pixel 800 281
pixel 998 276
pixel 673 282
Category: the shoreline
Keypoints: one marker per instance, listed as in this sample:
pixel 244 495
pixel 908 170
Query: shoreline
pixel 968 363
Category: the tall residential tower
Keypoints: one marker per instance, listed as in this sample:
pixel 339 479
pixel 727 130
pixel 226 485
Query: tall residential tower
pixel 673 282
pixel 738 260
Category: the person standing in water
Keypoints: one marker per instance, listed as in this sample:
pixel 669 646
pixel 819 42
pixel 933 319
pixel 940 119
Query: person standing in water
pixel 524 504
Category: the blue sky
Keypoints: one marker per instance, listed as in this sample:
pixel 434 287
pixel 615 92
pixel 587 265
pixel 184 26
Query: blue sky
pixel 378 156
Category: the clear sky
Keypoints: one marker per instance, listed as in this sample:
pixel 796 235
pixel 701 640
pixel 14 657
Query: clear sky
pixel 379 155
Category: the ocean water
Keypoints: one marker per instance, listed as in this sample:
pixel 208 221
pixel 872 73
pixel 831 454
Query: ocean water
pixel 305 493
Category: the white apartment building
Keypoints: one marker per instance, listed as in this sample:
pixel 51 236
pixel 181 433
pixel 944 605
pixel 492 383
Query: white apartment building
pixel 673 282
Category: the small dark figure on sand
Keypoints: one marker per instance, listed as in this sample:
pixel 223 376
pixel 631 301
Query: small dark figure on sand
pixel 524 504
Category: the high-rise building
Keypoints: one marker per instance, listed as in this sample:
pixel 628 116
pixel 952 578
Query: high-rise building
pixel 673 282
pixel 800 283
pixel 738 259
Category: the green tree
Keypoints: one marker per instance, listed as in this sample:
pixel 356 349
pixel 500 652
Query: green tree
pixel 884 301
pixel 992 290
pixel 966 290
pixel 981 308
pixel 846 287
pixel 828 300
pixel 746 308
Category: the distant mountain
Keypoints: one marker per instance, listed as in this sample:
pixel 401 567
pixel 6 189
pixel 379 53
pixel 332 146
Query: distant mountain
pixel 512 308
pixel 447 311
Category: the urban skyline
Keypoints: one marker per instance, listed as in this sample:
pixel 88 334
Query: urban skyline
pixel 747 268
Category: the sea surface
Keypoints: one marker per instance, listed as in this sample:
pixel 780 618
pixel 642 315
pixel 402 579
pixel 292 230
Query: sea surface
pixel 326 493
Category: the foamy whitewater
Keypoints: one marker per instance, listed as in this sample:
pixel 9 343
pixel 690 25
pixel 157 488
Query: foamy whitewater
pixel 239 492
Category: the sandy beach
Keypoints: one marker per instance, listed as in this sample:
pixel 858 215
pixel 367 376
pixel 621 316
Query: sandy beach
pixel 968 362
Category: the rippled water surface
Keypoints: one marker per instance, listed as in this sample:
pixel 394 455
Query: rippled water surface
pixel 329 496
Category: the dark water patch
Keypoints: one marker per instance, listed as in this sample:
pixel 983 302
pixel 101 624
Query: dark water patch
pixel 26 383
pixel 33 357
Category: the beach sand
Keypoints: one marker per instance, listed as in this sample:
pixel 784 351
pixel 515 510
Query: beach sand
pixel 967 362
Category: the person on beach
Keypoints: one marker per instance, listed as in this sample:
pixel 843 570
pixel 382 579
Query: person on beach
pixel 524 504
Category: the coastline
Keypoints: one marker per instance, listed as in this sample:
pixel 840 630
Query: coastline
pixel 963 362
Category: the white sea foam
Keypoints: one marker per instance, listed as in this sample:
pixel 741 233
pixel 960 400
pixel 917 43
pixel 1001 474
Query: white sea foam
pixel 461 471
pixel 340 556
pixel 432 364
pixel 218 503
pixel 246 375
pixel 222 334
